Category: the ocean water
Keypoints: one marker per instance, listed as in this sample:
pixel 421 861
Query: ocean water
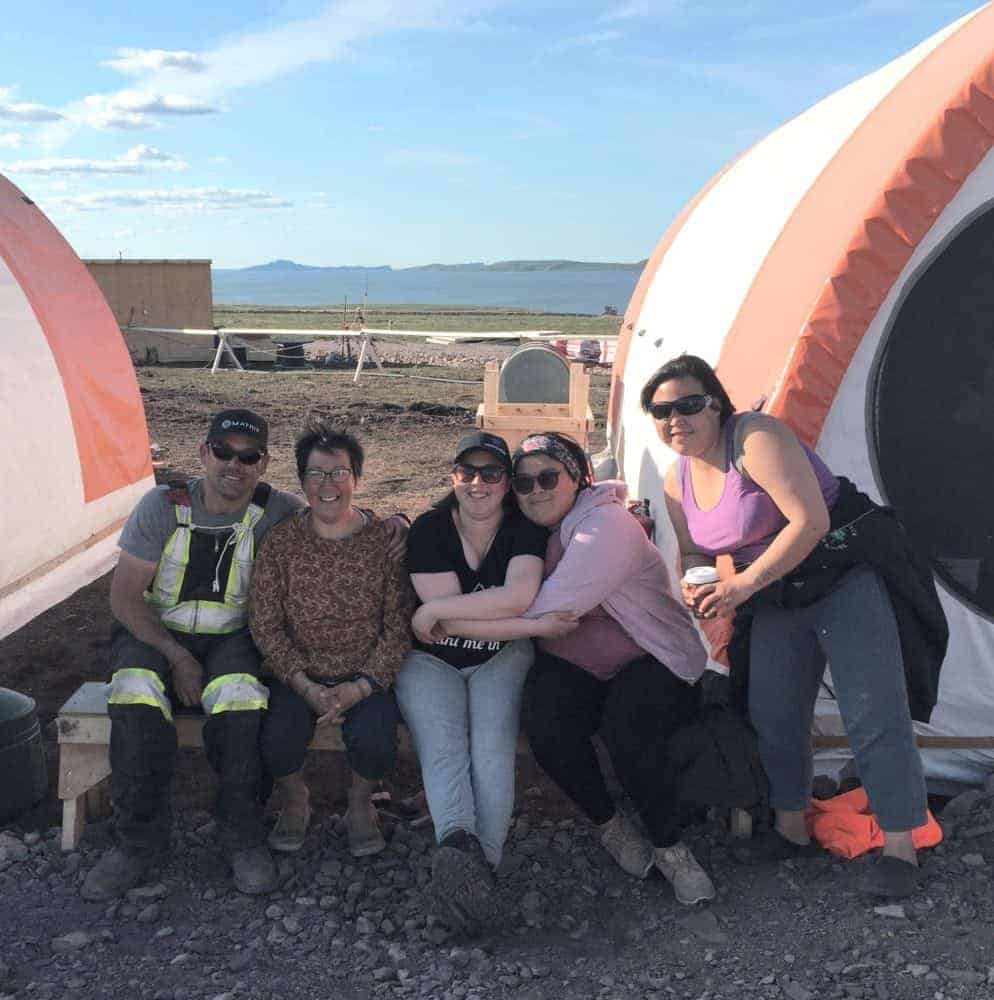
pixel 548 291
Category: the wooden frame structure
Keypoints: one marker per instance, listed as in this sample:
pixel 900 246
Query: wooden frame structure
pixel 515 421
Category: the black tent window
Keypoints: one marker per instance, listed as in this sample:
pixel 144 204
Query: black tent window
pixel 932 406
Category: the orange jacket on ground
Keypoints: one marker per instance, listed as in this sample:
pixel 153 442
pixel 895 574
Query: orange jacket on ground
pixel 845 826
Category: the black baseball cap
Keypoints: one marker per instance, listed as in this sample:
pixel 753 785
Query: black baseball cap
pixel 244 422
pixel 482 441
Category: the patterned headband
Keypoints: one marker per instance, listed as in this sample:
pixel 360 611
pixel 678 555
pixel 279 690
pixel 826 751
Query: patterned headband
pixel 544 444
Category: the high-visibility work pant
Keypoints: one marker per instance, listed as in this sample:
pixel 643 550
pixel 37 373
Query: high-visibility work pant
pixel 143 737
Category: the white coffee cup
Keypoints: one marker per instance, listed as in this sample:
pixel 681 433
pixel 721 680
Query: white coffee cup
pixel 697 576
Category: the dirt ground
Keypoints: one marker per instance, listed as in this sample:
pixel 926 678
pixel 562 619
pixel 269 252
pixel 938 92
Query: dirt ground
pixel 573 925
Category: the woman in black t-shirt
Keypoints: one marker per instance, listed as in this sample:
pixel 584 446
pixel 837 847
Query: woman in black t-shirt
pixel 472 557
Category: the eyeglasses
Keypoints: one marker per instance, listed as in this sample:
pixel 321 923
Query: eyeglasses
pixel 316 477
pixel 547 479
pixel 250 456
pixel 466 473
pixel 686 406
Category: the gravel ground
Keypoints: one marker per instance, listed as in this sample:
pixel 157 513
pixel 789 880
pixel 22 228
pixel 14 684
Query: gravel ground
pixel 572 924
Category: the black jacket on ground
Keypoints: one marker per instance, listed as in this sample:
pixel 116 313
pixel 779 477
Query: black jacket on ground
pixel 863 532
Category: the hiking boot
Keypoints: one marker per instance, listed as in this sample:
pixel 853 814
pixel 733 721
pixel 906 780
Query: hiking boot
pixel 691 883
pixel 627 846
pixel 363 829
pixel 115 873
pixel 888 877
pixel 253 870
pixel 290 831
pixel 462 884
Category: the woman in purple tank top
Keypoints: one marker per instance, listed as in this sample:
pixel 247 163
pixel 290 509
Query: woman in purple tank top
pixel 745 486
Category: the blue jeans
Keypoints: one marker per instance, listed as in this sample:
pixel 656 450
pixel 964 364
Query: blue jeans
pixel 464 724
pixel 852 627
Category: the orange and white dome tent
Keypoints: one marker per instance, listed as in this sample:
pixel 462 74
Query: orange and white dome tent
pixel 75 456
pixel 841 274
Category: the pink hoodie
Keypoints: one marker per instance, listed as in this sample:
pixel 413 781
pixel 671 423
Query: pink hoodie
pixel 609 561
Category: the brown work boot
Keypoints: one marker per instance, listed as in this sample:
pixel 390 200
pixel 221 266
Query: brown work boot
pixel 253 870
pixel 290 831
pixel 117 871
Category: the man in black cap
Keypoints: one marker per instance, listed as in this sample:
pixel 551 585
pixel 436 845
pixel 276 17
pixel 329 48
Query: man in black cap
pixel 179 595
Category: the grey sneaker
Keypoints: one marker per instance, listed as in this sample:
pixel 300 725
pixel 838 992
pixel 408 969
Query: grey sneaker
pixel 691 883
pixel 627 846
pixel 115 873
pixel 253 870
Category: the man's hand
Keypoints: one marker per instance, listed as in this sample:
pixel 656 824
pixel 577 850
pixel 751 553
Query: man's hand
pixel 555 624
pixel 188 678
pixel 397 529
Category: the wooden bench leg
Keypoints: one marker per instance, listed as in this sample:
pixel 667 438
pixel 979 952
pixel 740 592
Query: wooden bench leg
pixel 73 821
pixel 740 824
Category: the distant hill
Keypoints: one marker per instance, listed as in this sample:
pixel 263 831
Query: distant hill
pixel 289 266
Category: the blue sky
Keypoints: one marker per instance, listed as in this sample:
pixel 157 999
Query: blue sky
pixel 408 131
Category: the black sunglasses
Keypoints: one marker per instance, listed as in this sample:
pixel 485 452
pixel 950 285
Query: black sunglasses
pixel 250 456
pixel 466 473
pixel 547 479
pixel 686 406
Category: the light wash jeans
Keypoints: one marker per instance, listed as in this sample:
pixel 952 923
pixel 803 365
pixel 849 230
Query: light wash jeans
pixel 465 729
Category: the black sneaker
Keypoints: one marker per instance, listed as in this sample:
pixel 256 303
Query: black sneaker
pixel 772 846
pixel 887 877
pixel 462 884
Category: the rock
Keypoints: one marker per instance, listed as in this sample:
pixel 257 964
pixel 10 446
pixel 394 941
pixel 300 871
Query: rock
pixel 365 926
pixel 964 977
pixel 531 902
pixel 292 926
pixel 704 924
pixel 793 990
pixel 970 832
pixel 72 941
pixel 240 961
pixel 12 849
pixel 965 802
pixel 32 838
pixel 917 971
pixel 147 893
pixel 274 912
pixel 973 860
pixel 893 910
pixel 150 914
pixel 384 974
pixel 164 932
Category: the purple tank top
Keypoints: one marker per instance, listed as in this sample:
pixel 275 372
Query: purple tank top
pixel 745 519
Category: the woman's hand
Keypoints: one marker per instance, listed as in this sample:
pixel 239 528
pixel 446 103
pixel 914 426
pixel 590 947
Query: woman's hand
pixel 397 529
pixel 426 625
pixel 719 600
pixel 331 703
pixel 555 624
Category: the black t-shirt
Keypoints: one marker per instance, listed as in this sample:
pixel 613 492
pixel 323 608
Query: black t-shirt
pixel 434 546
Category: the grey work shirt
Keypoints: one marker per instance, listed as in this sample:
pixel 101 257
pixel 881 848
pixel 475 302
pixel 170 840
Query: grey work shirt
pixel 153 521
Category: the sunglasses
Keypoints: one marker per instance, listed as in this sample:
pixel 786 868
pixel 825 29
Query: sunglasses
pixel 466 473
pixel 250 456
pixel 547 479
pixel 686 406
pixel 316 477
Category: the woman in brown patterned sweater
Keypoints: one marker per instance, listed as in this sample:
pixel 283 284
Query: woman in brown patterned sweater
pixel 330 612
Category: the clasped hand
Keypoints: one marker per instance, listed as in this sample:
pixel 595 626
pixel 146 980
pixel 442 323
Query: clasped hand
pixel 331 703
pixel 716 600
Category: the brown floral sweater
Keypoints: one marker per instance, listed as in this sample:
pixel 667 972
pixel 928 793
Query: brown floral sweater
pixel 330 607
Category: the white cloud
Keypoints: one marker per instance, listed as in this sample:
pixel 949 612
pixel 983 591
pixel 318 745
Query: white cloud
pixel 219 159
pixel 10 140
pixel 198 199
pixel 165 83
pixel 135 62
pixel 430 158
pixel 137 160
pixel 134 109
pixel 24 111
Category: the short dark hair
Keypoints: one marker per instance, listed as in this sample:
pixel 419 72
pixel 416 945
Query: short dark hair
pixel 321 436
pixel 690 366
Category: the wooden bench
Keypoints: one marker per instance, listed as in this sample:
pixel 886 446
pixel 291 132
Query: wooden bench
pixel 84 763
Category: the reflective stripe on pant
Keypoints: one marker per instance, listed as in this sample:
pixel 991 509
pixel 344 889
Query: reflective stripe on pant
pixel 135 686
pixel 234 693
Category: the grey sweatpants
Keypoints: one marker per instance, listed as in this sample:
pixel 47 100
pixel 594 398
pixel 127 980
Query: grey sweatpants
pixel 853 627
